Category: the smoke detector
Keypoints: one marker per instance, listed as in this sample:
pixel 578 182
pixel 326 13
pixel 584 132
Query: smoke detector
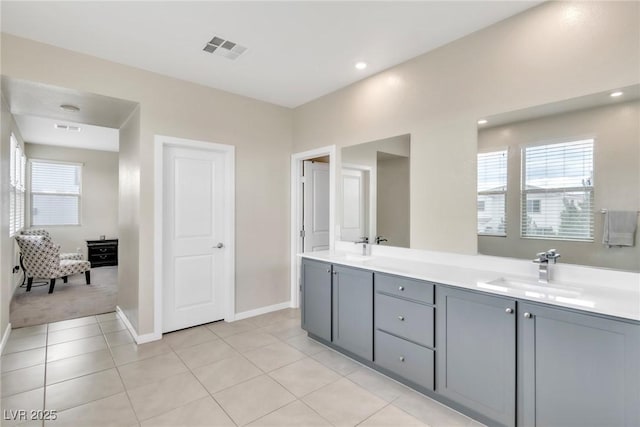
pixel 226 48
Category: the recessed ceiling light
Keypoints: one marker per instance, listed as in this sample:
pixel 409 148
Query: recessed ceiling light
pixel 70 108
pixel 361 65
pixel 616 94
pixel 482 122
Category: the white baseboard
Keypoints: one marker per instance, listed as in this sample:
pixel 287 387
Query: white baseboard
pixel 5 337
pixel 140 339
pixel 262 310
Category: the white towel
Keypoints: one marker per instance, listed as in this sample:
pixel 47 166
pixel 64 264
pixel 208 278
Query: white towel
pixel 619 228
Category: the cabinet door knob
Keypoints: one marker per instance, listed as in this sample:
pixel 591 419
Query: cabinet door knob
pixel 401 358
pixel 401 318
pixel 401 288
pixel 509 310
pixel 528 315
pixel 328 270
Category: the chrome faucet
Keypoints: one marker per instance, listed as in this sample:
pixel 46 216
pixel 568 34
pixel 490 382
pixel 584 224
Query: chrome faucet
pixel 364 241
pixel 380 239
pixel 545 259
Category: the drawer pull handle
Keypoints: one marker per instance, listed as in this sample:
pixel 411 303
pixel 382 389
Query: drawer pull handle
pixel 102 256
pixel 103 249
pixel 509 310
pixel 401 288
pixel 528 315
pixel 401 318
pixel 401 358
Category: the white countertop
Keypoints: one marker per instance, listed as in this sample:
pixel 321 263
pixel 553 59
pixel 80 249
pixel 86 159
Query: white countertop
pixel 618 301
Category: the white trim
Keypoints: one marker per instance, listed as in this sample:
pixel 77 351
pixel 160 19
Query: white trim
pixel 262 310
pixel 296 208
pixel 139 339
pixel 160 142
pixel 5 338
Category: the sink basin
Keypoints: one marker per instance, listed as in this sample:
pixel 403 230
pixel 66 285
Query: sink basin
pixel 356 257
pixel 504 283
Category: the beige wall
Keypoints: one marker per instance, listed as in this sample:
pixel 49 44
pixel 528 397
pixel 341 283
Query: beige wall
pixel 261 133
pixel 616 130
pixel 552 52
pixel 99 200
pixel 393 200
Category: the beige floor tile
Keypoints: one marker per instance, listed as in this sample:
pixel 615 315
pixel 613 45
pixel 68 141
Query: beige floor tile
pixel 28 400
pixel 206 353
pixel 336 361
pixel 294 414
pixel 189 337
pixel 84 364
pixel 72 323
pixel 21 380
pixel 23 359
pixel 268 318
pixel 28 330
pixel 391 416
pixel 107 317
pixel 344 403
pixel 129 353
pixel 163 396
pixel 71 334
pixel 115 339
pixel 16 344
pixel 151 370
pixel 75 348
pixel 112 325
pixel 203 412
pixel 253 399
pixel 304 376
pixel 78 391
pixel 306 345
pixel 284 329
pixel 111 411
pixel 250 340
pixel 226 329
pixel 274 356
pixel 377 384
pixel 429 411
pixel 226 373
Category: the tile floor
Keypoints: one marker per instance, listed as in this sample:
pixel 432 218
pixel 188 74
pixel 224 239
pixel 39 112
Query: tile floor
pixel 262 371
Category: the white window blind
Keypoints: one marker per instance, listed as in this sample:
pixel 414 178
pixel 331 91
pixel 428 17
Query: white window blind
pixel 557 191
pixel 55 193
pixel 492 190
pixel 17 163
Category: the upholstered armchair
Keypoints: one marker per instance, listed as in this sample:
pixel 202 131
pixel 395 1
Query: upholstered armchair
pixel 41 258
pixel 43 232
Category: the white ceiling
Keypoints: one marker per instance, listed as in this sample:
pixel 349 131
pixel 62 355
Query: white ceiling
pixel 297 51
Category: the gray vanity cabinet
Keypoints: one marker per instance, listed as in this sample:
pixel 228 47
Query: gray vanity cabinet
pixel 316 298
pixel 476 353
pixel 576 369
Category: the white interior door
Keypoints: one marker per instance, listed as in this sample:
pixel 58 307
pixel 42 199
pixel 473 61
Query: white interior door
pixel 354 204
pixel 194 276
pixel 316 206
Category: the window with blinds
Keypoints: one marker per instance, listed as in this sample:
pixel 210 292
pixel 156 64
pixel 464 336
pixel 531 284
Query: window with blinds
pixel 557 191
pixel 492 191
pixel 17 174
pixel 55 193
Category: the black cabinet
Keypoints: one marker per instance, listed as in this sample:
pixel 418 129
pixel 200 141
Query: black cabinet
pixel 102 253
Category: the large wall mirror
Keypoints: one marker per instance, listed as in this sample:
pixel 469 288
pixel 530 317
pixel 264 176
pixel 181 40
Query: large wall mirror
pixel 557 175
pixel 375 192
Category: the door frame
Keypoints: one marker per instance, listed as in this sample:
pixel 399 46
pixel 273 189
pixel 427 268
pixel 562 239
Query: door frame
pixel 162 142
pixel 296 209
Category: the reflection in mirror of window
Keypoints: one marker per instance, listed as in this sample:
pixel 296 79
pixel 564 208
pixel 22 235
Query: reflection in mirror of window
pixel 492 191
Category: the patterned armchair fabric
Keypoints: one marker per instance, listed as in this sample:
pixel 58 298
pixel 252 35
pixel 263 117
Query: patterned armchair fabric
pixel 43 232
pixel 41 258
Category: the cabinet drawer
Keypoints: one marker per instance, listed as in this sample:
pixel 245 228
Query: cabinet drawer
pixel 101 250
pixel 410 361
pixel 404 287
pixel 404 318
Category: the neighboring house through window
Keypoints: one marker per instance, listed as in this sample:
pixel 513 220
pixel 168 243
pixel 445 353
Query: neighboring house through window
pixel 55 193
pixel 492 191
pixel 17 174
pixel 557 191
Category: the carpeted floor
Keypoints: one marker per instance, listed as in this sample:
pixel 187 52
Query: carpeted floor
pixel 68 301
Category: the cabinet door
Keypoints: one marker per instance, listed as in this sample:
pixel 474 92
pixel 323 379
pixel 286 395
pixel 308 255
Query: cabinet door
pixel 577 369
pixel 353 310
pixel 316 298
pixel 476 352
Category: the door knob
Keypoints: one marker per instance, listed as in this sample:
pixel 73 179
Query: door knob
pixel 218 246
pixel 509 310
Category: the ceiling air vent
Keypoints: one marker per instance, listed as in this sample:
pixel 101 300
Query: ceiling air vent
pixel 226 48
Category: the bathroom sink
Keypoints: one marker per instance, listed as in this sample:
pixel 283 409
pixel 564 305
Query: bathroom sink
pixel 531 286
pixel 355 257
